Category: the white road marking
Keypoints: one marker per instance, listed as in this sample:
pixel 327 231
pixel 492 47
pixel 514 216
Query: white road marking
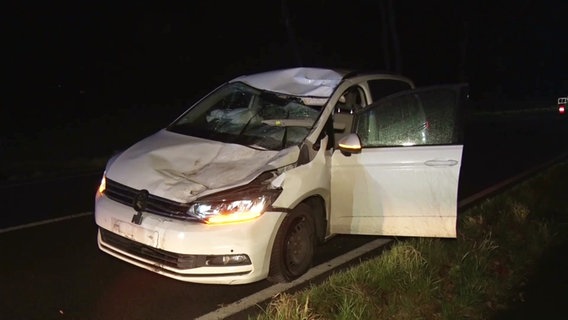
pixel 39 223
pixel 272 291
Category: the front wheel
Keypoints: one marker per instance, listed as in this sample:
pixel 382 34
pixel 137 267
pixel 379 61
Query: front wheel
pixel 294 246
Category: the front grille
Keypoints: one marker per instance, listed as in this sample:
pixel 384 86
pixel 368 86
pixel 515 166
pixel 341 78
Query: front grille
pixel 170 259
pixel 158 205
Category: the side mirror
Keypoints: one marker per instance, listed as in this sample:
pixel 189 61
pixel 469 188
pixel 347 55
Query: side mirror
pixel 350 144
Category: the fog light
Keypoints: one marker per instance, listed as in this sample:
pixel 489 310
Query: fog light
pixel 228 260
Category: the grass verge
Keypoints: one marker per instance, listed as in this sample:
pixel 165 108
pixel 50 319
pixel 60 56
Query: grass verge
pixel 486 273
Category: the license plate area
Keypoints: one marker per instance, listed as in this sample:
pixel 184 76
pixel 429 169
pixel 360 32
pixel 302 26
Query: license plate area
pixel 136 233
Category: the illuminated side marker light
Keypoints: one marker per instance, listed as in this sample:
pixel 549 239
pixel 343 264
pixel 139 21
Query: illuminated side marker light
pixel 102 186
pixel 350 147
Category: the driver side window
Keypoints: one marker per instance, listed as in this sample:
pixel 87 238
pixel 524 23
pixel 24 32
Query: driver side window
pixel 418 117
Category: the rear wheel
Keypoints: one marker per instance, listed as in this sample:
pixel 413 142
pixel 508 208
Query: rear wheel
pixel 294 246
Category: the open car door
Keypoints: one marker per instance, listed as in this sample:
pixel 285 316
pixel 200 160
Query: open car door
pixel 398 173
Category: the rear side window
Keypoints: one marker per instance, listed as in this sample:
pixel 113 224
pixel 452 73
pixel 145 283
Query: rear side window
pixel 385 87
pixel 426 117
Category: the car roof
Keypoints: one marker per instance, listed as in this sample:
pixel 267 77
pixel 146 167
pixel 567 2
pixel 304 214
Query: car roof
pixel 303 82
pixel 308 82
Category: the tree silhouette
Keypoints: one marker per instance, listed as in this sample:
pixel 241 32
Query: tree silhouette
pixel 391 45
pixel 290 31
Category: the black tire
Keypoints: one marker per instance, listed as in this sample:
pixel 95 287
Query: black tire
pixel 294 246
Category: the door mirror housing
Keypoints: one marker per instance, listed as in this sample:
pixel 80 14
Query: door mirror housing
pixel 350 144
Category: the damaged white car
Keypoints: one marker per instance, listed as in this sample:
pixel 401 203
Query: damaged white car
pixel 248 181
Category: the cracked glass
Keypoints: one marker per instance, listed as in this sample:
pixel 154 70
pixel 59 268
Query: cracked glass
pixel 410 118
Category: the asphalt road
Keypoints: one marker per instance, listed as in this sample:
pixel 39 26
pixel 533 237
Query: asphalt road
pixel 55 270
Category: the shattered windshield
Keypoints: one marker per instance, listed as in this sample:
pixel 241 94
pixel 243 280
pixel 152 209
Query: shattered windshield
pixel 237 113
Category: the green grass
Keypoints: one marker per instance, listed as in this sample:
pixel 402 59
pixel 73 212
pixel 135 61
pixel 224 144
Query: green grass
pixel 479 275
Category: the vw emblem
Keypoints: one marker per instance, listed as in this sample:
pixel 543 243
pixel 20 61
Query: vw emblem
pixel 140 200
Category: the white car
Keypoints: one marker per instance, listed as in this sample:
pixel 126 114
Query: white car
pixel 246 183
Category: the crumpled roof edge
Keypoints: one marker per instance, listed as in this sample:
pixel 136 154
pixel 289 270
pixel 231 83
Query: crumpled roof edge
pixel 303 82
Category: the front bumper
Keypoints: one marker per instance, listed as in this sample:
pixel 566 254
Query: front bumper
pixel 173 247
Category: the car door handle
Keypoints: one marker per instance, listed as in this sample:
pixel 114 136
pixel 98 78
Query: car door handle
pixel 440 163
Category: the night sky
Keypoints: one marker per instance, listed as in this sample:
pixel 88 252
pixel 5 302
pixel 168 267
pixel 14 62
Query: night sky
pixel 131 48
pixel 81 59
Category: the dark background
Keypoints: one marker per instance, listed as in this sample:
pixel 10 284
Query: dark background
pixel 89 77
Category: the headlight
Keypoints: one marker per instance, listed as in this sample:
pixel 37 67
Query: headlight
pixel 236 205
pixel 229 211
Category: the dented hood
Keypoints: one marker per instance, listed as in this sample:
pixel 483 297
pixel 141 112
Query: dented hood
pixel 181 168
